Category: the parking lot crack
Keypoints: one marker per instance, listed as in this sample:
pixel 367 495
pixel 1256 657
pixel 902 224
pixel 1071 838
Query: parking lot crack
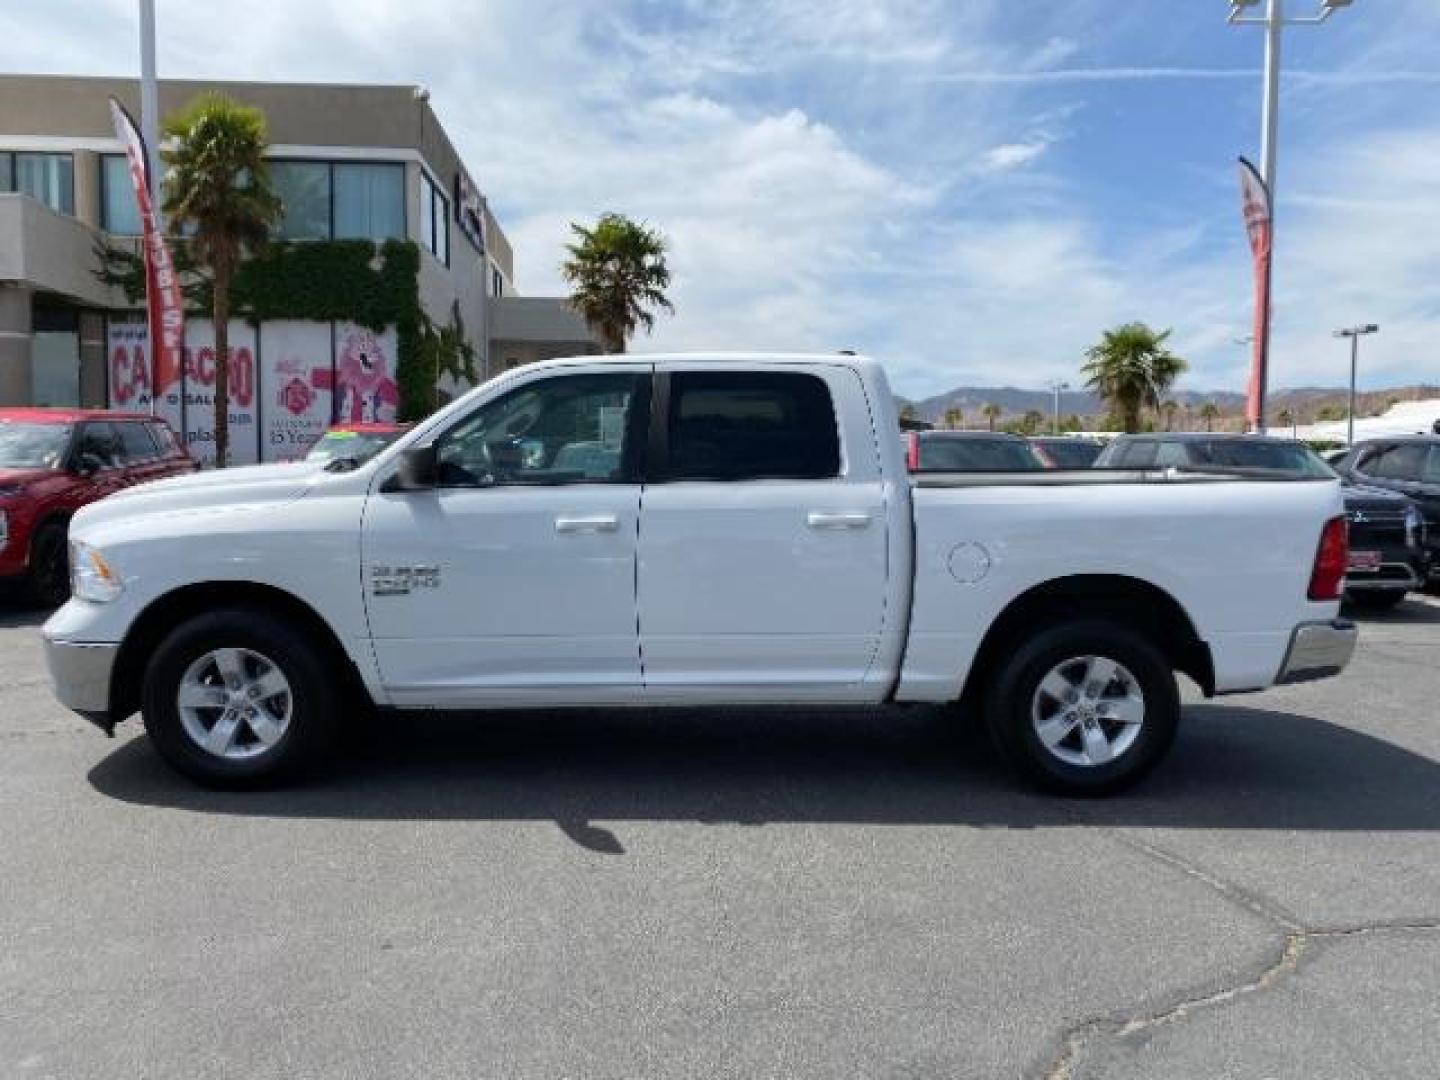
pixel 1085 1036
pixel 1255 903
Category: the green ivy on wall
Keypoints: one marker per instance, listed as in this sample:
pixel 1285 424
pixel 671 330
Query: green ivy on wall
pixel 335 280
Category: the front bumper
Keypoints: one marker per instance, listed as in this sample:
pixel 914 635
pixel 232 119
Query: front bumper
pixel 81 674
pixel 1318 650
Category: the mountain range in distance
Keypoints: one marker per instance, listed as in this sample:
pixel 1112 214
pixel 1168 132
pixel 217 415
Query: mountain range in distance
pixel 1305 403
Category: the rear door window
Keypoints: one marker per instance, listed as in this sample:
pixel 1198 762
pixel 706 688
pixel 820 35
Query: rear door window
pixel 751 425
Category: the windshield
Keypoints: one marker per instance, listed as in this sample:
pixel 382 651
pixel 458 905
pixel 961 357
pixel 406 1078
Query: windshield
pixel 1288 457
pixel 940 453
pixel 353 445
pixel 32 446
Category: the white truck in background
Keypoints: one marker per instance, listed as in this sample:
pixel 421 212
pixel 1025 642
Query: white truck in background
pixel 690 530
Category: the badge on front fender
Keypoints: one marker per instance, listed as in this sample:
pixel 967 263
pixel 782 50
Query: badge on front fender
pixel 401 580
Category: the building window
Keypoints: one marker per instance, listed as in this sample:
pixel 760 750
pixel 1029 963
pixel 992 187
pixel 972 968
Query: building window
pixel 434 219
pixel 369 201
pixel 497 281
pixel 304 189
pixel 49 178
pixel 326 200
pixel 119 213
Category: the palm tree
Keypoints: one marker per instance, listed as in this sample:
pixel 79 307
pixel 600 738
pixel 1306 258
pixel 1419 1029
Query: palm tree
pixel 1031 422
pixel 218 200
pixel 1130 368
pixel 1170 407
pixel 954 418
pixel 618 274
pixel 908 413
pixel 1287 419
pixel 1208 412
pixel 991 412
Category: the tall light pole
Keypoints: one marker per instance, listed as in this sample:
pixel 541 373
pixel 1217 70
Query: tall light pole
pixel 150 98
pixel 1274 21
pixel 1354 333
pixel 1055 388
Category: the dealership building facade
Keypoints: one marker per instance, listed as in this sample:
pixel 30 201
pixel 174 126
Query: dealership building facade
pixel 351 163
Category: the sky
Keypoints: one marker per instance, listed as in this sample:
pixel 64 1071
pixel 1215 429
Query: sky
pixel 970 190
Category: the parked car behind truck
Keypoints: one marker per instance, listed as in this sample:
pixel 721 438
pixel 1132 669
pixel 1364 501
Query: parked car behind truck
pixel 55 461
pixel 754 538
pixel 1388 556
pixel 1409 466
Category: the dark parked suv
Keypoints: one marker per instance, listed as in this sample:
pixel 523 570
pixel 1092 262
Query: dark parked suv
pixel 1387 532
pixel 53 462
pixel 1409 465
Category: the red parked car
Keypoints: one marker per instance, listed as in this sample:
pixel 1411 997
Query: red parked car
pixel 54 461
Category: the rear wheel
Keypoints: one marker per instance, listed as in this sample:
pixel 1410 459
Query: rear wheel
pixel 238 699
pixel 1084 708
pixel 48 579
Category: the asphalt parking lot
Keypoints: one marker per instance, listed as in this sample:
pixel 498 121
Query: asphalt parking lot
pixel 733 894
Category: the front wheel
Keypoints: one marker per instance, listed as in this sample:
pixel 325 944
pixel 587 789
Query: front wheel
pixel 1083 708
pixel 237 699
pixel 48 578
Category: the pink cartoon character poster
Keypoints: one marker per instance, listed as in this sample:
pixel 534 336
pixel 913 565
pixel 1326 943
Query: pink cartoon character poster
pixel 366 392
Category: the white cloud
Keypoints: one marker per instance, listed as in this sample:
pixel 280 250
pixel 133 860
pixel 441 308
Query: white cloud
pixel 1012 155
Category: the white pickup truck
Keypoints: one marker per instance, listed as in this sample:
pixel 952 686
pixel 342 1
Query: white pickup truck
pixel 689 530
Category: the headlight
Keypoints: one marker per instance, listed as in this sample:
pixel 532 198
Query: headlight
pixel 91 577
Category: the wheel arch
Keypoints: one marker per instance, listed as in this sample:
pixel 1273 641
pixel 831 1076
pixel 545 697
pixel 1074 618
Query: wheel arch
pixel 1126 601
pixel 171 609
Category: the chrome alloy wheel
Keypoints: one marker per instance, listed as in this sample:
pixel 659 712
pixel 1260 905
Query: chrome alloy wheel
pixel 234 703
pixel 1088 711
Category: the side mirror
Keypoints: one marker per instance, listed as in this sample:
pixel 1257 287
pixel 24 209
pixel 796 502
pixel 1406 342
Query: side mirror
pixel 416 470
pixel 88 465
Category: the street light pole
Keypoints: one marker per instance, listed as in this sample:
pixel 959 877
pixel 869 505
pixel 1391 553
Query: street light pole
pixel 149 97
pixel 1354 333
pixel 1055 388
pixel 1274 21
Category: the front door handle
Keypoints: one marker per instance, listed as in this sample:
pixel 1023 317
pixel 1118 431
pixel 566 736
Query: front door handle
pixel 587 523
pixel 837 519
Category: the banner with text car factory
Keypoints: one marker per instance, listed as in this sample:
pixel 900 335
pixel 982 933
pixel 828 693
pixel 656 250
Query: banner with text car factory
pixel 200 391
pixel 127 362
pixel 297 373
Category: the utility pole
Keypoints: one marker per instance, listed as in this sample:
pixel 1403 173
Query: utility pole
pixel 1055 388
pixel 1354 333
pixel 1274 21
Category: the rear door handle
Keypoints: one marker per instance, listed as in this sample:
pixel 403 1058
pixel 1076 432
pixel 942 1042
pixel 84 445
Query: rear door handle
pixel 837 519
pixel 587 523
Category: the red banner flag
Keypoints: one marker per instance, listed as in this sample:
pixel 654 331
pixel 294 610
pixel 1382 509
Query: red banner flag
pixel 1255 202
pixel 163 302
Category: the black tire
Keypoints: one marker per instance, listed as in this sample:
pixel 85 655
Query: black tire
pixel 1371 600
pixel 47 581
pixel 1012 691
pixel 315 696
